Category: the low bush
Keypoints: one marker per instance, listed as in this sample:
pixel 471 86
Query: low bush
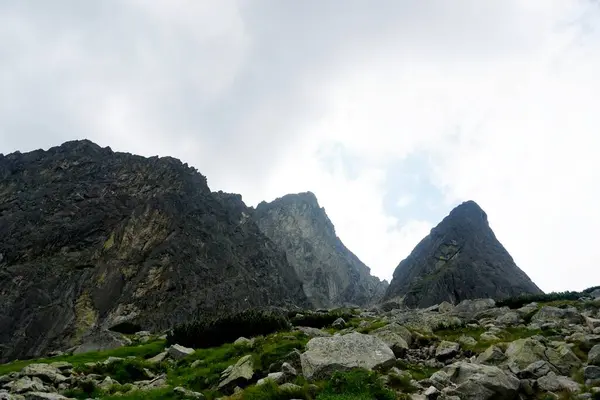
pixel 215 331
pixel 356 384
pixel 320 319
pixel 123 371
pixel 520 301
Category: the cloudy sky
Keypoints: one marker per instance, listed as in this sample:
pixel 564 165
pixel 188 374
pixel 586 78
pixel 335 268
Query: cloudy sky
pixel 391 112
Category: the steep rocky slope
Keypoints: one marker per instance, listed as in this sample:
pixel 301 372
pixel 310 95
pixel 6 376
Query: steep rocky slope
pixel 92 239
pixel 331 274
pixel 474 350
pixel 460 259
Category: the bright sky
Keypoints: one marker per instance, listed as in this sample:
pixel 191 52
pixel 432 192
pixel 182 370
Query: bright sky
pixel 391 112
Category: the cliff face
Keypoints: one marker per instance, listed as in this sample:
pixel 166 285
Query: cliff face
pixel 90 239
pixel 460 259
pixel 331 274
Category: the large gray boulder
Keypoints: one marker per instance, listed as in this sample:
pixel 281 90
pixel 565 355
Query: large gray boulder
pixel 558 315
pixel 482 382
pixel 523 352
pixel 323 356
pixel 241 371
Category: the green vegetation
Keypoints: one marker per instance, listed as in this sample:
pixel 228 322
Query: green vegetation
pixel 357 384
pixel 204 332
pixel 520 301
pixel 143 351
pixel 321 319
pixel 418 372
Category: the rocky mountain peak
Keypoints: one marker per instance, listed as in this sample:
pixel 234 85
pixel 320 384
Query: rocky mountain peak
pixel 460 259
pixel 331 273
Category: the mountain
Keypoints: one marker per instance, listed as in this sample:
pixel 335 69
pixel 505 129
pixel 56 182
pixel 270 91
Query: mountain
pixel 331 274
pixel 460 259
pixel 91 239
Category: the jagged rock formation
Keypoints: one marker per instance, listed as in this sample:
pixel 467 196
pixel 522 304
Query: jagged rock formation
pixel 460 259
pixel 331 274
pixel 92 239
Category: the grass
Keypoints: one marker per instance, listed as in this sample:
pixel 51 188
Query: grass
pixel 416 371
pixel 357 384
pixel 144 351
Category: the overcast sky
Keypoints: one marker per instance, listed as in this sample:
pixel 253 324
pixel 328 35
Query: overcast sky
pixel 391 112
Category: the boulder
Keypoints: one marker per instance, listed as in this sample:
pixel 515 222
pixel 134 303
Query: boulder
pixel 493 355
pixel 101 340
pixel 558 315
pixel 188 394
pixel 26 384
pixel 591 374
pixel 241 372
pixel 323 356
pixel 523 352
pixel 536 370
pixel 482 382
pixel 244 342
pixel 339 323
pixel 446 350
pixel 445 307
pixel 594 355
pixel 158 358
pixel 394 341
pixel 398 329
pixel 555 383
pixel 45 396
pixel 313 332
pixel 563 358
pixel 45 372
pixel 178 352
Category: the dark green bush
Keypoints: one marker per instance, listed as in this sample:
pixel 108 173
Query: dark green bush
pixel 205 332
pixel 320 319
pixel 520 301
pixel 123 371
pixel 270 391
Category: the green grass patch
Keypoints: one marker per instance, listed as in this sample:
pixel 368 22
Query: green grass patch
pixel 374 325
pixel 158 394
pixel 271 391
pixel 145 350
pixel 357 384
pixel 418 372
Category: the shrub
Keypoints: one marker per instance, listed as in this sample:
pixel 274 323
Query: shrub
pixel 123 371
pixel 270 391
pixel 520 301
pixel 215 331
pixel 355 384
pixel 320 319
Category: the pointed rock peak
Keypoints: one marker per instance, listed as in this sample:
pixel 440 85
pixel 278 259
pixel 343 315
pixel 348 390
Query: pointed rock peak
pixel 469 209
pixel 302 198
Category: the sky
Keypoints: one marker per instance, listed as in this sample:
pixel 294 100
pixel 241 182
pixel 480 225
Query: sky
pixel 391 111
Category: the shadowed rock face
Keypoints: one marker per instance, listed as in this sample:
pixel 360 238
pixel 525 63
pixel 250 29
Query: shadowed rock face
pixel 460 259
pixel 332 274
pixel 91 238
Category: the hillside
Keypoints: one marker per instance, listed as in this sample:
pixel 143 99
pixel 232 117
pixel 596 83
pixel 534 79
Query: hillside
pixel 460 259
pixel 92 239
pixel 331 274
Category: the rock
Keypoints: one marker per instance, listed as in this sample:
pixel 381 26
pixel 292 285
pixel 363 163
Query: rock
pixel 277 377
pixel 431 392
pixel 61 365
pixel 178 352
pixel 45 372
pixel 591 374
pixel 398 329
pixel 467 340
pixel 44 396
pixel 26 384
pixel 313 332
pixel 446 307
pixel 558 315
pixel 563 358
pixel 339 323
pixel 241 372
pixel 101 341
pixel 555 383
pixel 510 318
pixel 523 352
pixel 594 355
pixel 482 382
pixel 493 355
pixel 96 257
pixel 107 383
pixel 460 259
pixel 288 387
pixel 446 350
pixel 158 382
pixel 592 323
pixel 242 341
pixel 323 356
pixel 393 340
pixel 527 310
pixel 331 274
pixel 188 394
pixel 288 370
pixel 488 337
pixel 158 358
pixel 536 370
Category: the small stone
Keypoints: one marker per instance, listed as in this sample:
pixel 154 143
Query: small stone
pixel 189 394
pixel 158 358
pixel 339 323
pixel 244 342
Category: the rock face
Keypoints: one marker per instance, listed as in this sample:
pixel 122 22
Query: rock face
pixel 93 239
pixel 460 259
pixel 331 274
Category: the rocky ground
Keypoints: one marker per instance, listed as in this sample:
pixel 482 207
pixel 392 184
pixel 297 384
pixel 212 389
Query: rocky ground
pixel 474 350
